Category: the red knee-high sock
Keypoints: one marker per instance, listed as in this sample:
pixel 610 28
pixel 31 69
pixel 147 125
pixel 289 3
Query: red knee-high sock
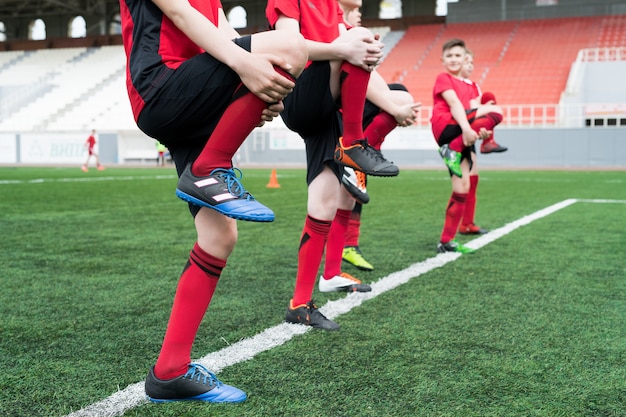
pixel 310 254
pixel 457 144
pixel 336 242
pixel 488 121
pixel 470 202
pixel 241 116
pixel 193 296
pixel 455 209
pixel 354 82
pixel 354 226
pixel 379 128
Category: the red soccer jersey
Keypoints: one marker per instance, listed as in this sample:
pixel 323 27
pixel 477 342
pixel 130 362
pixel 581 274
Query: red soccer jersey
pixel 441 111
pixel 319 20
pixel 475 88
pixel 155 46
pixel 90 142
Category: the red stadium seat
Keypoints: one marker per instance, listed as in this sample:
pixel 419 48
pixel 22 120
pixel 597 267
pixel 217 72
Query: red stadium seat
pixel 521 62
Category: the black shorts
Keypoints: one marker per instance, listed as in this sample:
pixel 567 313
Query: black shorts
pixel 311 112
pixel 186 109
pixel 184 112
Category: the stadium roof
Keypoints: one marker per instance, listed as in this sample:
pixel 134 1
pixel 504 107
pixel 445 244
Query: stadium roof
pixel 42 8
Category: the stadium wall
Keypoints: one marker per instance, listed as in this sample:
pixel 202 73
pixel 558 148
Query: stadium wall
pixel 542 148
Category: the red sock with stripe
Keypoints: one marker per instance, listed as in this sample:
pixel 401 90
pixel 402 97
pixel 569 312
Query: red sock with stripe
pixel 310 254
pixel 454 211
pixel 193 296
pixel 470 202
pixel 335 244
pixel 489 121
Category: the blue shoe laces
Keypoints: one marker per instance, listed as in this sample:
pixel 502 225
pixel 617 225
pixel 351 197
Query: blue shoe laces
pixel 232 177
pixel 202 375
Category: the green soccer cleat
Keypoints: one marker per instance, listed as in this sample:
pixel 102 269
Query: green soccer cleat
pixel 454 246
pixel 353 256
pixel 452 159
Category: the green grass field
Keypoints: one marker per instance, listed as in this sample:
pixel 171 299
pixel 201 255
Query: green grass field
pixel 533 324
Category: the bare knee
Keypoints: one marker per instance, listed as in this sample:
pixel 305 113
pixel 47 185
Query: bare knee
pixel 285 44
pixel 217 234
pixel 356 32
pixel 296 52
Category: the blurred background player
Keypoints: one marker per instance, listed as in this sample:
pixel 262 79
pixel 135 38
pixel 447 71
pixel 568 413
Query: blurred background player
pixel 488 145
pixel 199 88
pixel 161 149
pixel 456 126
pixel 467 225
pixel 90 145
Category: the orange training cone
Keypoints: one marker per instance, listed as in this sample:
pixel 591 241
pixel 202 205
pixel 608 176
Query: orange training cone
pixel 273 180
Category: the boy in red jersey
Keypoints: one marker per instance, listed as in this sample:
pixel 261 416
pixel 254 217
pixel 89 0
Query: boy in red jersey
pixel 312 111
pixel 467 226
pixel 90 144
pixel 199 88
pixel 488 145
pixel 456 125
pixel 336 78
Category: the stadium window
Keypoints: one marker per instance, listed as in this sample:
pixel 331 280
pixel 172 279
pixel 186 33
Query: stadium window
pixel 37 30
pixel 3 32
pixel 622 122
pixel 611 122
pixel 78 27
pixel 390 9
pixel 115 26
pixel 238 17
pixel 442 7
pixel 598 122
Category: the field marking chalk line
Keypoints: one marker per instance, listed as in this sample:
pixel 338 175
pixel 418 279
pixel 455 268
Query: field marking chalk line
pixel 133 395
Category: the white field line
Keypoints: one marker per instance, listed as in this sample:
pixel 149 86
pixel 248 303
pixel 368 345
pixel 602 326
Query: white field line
pixel 89 179
pixel 134 395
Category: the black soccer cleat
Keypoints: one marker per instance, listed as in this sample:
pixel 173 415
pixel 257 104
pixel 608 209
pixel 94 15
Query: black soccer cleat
pixel 222 191
pixel 362 157
pixel 309 315
pixel 198 384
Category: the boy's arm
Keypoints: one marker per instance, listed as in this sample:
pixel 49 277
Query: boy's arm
pixel 378 93
pixel 318 51
pixel 458 113
pixel 203 32
pixel 355 50
pixel 255 70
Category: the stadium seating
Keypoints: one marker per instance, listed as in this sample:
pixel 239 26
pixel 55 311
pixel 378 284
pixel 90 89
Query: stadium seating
pixel 64 89
pixel 521 62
